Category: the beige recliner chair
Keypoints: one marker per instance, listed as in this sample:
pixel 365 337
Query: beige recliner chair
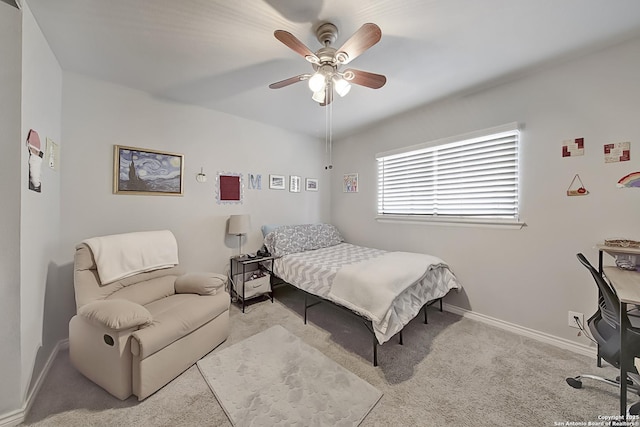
pixel 140 321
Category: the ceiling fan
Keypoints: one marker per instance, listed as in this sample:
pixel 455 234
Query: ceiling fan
pixel 326 61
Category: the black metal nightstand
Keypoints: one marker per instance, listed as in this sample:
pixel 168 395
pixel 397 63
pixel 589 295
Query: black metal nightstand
pixel 238 280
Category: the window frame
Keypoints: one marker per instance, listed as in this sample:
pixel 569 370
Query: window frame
pixel 456 220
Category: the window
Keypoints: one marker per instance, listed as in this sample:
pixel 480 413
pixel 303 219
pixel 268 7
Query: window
pixel 470 179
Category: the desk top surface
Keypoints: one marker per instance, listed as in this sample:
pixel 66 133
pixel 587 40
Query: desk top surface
pixel 626 283
pixel 617 249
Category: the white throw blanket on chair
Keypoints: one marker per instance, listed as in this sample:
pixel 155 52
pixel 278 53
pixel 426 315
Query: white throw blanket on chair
pixel 371 286
pixel 123 255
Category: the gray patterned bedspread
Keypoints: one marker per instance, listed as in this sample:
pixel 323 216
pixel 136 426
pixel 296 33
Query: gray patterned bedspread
pixel 313 271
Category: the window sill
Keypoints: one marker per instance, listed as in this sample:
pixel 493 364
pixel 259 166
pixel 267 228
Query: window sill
pixel 456 222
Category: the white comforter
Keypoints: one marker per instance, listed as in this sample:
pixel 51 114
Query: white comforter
pixel 315 271
pixel 372 286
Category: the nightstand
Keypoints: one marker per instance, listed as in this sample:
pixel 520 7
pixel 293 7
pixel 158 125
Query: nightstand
pixel 244 284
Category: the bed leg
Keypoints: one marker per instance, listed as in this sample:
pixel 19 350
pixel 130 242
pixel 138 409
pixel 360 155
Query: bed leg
pixel 305 308
pixel 424 307
pixel 401 343
pixel 375 351
pixel 441 305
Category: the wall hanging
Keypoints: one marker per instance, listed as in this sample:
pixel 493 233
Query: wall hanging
pixel 201 177
pixel 618 152
pixel 311 184
pixel 573 147
pixel 294 184
pixel 148 172
pixel 577 188
pixel 276 182
pixel 350 183
pixel 53 154
pixel 35 161
pixel 229 187
pixel 255 181
pixel 631 180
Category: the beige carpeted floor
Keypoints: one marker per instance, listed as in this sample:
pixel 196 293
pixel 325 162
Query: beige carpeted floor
pixel 451 372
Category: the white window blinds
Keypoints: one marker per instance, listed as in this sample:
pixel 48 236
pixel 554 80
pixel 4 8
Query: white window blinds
pixel 475 176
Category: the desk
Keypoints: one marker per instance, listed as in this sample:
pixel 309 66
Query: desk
pixel 613 251
pixel 627 286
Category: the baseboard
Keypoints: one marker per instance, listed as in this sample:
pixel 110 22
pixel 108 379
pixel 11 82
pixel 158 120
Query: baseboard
pixel 18 416
pixel 521 330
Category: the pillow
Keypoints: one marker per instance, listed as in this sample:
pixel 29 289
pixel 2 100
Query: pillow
pixel 116 314
pixel 268 228
pixel 200 283
pixel 289 239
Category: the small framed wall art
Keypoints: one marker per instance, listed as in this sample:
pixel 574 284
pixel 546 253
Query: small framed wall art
pixel 294 184
pixel 229 188
pixel 147 172
pixel 350 183
pixel 617 152
pixel 276 182
pixel 311 184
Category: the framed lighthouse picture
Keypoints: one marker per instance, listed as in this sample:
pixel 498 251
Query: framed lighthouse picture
pixel 147 172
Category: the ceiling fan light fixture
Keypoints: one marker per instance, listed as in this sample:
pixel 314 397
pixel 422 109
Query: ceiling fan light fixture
pixel 317 82
pixel 318 96
pixel 341 85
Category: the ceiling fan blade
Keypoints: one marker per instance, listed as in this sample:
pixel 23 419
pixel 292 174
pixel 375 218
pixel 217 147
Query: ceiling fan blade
pixel 361 40
pixel 364 78
pixel 289 81
pixel 296 45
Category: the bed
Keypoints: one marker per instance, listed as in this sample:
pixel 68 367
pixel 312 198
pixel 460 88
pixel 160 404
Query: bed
pixel 385 289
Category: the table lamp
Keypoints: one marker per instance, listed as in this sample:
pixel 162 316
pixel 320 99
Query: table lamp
pixel 239 225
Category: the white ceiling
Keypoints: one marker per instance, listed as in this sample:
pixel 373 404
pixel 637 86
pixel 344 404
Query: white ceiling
pixel 222 55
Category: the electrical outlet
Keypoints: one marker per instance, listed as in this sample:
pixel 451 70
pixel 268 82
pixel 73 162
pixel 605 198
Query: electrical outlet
pixel 572 319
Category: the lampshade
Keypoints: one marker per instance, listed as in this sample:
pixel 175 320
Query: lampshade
pixel 317 82
pixel 342 86
pixel 318 96
pixel 239 224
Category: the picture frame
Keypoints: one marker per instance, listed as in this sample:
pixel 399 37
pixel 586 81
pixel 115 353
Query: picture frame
pixel 294 184
pixel 350 183
pixel 143 171
pixel 277 182
pixel 311 184
pixel 229 188
pixel 53 154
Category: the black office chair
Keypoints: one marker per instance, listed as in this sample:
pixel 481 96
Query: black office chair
pixel 605 329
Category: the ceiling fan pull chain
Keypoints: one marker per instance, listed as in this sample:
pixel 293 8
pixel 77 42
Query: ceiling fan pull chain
pixel 330 106
pixel 328 131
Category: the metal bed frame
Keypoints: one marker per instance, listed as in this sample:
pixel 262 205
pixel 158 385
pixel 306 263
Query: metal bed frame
pixel 367 323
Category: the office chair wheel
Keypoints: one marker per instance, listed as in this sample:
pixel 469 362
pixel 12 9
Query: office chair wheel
pixel 574 383
pixel 634 409
pixel 629 382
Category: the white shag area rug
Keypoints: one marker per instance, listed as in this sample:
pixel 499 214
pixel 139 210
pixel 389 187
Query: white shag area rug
pixel 274 378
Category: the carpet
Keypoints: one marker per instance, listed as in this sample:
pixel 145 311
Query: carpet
pixel 274 378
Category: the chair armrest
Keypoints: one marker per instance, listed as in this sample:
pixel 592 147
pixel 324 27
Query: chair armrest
pixel 200 283
pixel 116 314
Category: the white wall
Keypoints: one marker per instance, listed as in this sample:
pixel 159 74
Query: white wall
pixel 40 230
pixel 97 115
pixel 40 218
pixel 10 52
pixel 528 277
